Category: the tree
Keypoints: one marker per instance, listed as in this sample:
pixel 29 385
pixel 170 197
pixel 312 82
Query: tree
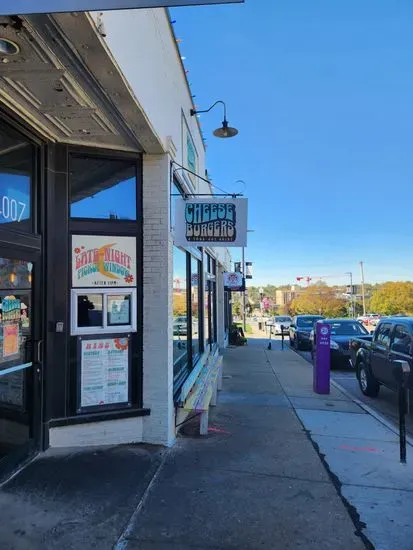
pixel 319 300
pixel 392 298
pixel 179 304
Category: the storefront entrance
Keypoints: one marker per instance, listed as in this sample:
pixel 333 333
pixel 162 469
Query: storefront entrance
pixel 20 359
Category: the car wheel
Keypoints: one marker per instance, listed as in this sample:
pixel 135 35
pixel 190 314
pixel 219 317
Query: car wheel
pixel 369 385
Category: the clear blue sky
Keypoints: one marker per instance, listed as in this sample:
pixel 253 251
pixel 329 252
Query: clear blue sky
pixel 322 94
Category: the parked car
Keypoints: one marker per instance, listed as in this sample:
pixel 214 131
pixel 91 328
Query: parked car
pixel 279 322
pixel 373 357
pixel 369 320
pixel 300 329
pixel 180 326
pixel 342 331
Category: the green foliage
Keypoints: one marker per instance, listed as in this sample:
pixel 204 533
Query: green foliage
pixel 248 328
pixel 393 298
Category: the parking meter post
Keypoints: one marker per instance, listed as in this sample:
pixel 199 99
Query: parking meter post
pixel 269 343
pixel 402 423
pixel 401 372
pixel 282 336
pixel 321 368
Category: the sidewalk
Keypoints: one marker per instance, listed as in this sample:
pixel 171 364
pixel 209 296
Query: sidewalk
pixel 255 482
pixel 360 451
pixel 282 468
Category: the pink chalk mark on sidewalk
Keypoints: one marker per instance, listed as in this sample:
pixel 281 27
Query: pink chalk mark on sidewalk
pixel 362 449
pixel 218 431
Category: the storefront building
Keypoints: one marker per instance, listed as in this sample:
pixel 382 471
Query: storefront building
pixel 102 317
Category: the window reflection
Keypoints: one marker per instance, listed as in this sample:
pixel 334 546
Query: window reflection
pixel 90 310
pixel 195 305
pixel 102 188
pixel 16 167
pixel 180 317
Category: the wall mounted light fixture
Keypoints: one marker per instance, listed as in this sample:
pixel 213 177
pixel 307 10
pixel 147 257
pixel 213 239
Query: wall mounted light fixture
pixel 225 131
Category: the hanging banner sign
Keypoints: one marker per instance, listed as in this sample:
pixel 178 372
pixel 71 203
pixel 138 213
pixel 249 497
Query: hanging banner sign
pixel 21 7
pixel 211 222
pixel 103 261
pixel 248 270
pixel 234 282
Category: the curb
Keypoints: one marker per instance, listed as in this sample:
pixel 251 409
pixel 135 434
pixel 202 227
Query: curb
pixel 392 427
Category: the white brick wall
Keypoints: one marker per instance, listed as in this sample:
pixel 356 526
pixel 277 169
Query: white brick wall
pixel 108 432
pixel 145 49
pixel 159 427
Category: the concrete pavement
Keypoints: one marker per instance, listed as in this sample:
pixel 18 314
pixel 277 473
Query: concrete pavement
pixel 281 468
pixel 361 453
pixel 256 481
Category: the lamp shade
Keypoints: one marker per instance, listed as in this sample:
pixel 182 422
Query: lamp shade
pixel 225 131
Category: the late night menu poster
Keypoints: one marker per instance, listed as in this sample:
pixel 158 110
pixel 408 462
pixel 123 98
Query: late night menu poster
pixel 104 372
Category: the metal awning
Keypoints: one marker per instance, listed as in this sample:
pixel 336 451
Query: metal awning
pixel 11 7
pixel 65 83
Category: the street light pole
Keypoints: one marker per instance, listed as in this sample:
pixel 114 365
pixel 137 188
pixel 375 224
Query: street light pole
pixel 244 319
pixel 362 288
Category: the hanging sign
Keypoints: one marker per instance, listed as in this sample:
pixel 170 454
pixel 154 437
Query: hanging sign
pixel 248 270
pixel 234 282
pixel 104 364
pixel 21 7
pixel 103 261
pixel 211 222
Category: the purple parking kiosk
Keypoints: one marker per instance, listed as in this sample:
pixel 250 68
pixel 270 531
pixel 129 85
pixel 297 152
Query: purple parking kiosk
pixel 321 369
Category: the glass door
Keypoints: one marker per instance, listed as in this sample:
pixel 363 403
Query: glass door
pixel 19 373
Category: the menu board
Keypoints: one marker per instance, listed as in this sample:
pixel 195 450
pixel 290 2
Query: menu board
pixel 104 371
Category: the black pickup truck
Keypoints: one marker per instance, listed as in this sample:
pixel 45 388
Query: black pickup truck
pixel 373 356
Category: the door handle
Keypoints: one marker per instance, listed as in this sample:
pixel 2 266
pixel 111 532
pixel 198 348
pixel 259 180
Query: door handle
pixel 39 352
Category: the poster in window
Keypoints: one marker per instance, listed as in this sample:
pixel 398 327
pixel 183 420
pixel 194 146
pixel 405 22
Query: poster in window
pixel 119 310
pixel 102 261
pixel 104 371
pixel 11 340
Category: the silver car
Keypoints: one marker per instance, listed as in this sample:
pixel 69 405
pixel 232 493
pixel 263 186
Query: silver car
pixel 281 325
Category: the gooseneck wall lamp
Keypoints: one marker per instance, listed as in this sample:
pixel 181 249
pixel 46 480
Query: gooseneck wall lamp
pixel 225 131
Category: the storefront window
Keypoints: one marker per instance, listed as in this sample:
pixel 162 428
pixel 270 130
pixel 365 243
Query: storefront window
pixel 195 307
pixel 180 312
pixel 16 168
pixel 206 314
pixel 89 310
pixel 102 188
pixel 210 301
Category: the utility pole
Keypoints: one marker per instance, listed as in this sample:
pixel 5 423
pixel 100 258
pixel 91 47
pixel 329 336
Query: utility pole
pixel 351 294
pixel 362 287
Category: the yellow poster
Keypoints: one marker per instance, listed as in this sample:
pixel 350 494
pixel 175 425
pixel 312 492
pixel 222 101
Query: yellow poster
pixel 10 340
